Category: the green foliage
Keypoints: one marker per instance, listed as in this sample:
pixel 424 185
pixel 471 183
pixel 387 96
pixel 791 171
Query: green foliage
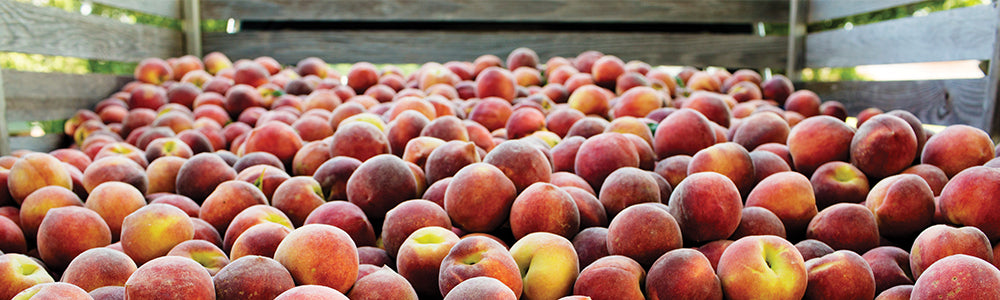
pixel 916 9
pixel 62 64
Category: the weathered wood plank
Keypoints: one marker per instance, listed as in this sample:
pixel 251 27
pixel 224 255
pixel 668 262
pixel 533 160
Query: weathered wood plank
pixel 820 10
pixel 33 96
pixel 957 34
pixel 51 31
pixel 4 135
pixel 695 11
pixel 424 46
pixel 192 27
pixel 941 102
pixel 45 143
pixel 993 85
pixel 166 8
pixel 796 38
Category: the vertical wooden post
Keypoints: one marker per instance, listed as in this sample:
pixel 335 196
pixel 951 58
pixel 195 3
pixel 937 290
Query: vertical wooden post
pixel 797 19
pixel 4 135
pixel 192 27
pixel 993 83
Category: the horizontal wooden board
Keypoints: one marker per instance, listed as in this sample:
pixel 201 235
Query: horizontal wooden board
pixel 45 143
pixel 693 11
pixel 402 46
pixel 165 8
pixel 33 96
pixel 957 34
pixel 51 31
pixel 820 10
pixel 941 102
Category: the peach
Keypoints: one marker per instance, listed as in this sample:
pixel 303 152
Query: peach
pixel 346 216
pixel 683 132
pixel 762 265
pixel 250 216
pixel 147 96
pixel 788 195
pixel 588 127
pixel 625 187
pixel 777 88
pixel 903 205
pixel 931 174
pixel 359 140
pixel 12 237
pixel 957 147
pixel 476 256
pixel 265 177
pixel 612 151
pixel 261 239
pixel 729 159
pixel 755 220
pixel 611 277
pixel 53 290
pixel 707 207
pixel 38 204
pixel 34 171
pixel 20 272
pixel 153 70
pixel 201 174
pixel 673 168
pixel 592 212
pixel 203 252
pixel 522 162
pixel 479 198
pixel 766 163
pixel 643 232
pixel 496 82
pixel 818 140
pixel 419 258
pixel 381 183
pixel 886 146
pixel 406 126
pixel 98 267
pixel 759 129
pixel 940 241
pixel 382 284
pixel 228 200
pixel 840 275
pixel 967 199
pixel 160 277
pixel 113 201
pixel 811 248
pixel 683 274
pixel 839 182
pixel 589 99
pixel 252 277
pixel 845 226
pixel 310 157
pixel 333 174
pixel 320 254
pixel 639 102
pixel 559 214
pixel 446 159
pixel 310 291
pixel 298 196
pixel 549 265
pixel 83 227
pixel 564 154
pixel 407 217
pixel 890 265
pixel 958 277
pixel 169 226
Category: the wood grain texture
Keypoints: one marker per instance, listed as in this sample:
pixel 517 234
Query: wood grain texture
pixel 694 11
pixel 941 102
pixel 45 143
pixel 993 85
pixel 166 8
pixel 51 31
pixel 33 96
pixel 425 46
pixel 957 34
pixel 4 134
pixel 820 10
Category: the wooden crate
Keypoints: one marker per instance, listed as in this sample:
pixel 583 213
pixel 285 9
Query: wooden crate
pixel 967 33
pixel 33 96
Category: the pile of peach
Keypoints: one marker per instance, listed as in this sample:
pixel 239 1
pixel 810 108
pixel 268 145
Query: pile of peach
pixel 580 178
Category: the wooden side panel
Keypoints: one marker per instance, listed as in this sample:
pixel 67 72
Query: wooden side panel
pixel 441 46
pixel 957 34
pixel 51 31
pixel 942 102
pixel 35 96
pixel 166 8
pixel 694 11
pixel 43 143
pixel 820 10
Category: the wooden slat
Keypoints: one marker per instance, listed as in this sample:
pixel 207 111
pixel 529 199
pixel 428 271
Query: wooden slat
pixel 4 141
pixel 796 38
pixel 941 102
pixel 45 143
pixel 289 47
pixel 820 10
pixel 192 27
pixel 33 96
pixel 696 11
pixel 957 34
pixel 993 85
pixel 51 31
pixel 166 8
